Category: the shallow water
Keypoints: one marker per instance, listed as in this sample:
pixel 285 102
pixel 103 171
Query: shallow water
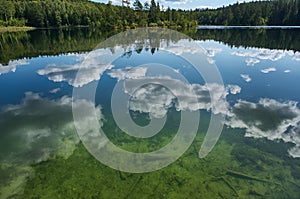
pixel 257 155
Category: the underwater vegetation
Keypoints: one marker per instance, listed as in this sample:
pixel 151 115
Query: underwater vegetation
pixel 237 167
pixel 232 170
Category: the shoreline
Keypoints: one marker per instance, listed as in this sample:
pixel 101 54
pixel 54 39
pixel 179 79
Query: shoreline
pixel 4 29
pixel 15 28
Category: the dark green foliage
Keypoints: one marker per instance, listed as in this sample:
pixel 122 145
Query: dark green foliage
pixel 57 13
pixel 276 12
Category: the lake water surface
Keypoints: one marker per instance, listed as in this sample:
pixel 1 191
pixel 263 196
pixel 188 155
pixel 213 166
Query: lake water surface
pixel 257 155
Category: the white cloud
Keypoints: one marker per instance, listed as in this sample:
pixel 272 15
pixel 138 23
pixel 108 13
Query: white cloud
pixel 251 61
pixel 177 71
pixel 296 56
pixel 287 71
pixel 184 46
pixel 205 7
pixel 181 47
pixel 183 2
pixel 295 152
pixel 246 77
pixel 176 2
pixel 211 52
pixel 12 66
pixel 128 73
pixel 269 119
pixel 264 54
pixel 55 90
pixel 157 99
pixel 90 70
pixel 234 89
pixel 210 60
pixel 268 70
pixel 152 99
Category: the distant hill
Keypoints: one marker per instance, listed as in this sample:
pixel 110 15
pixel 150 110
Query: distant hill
pixel 276 12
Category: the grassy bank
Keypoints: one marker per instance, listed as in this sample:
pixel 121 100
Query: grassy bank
pixel 15 29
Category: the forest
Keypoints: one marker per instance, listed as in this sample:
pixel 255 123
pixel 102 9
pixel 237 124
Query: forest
pixel 62 13
pixel 258 13
pixel 58 13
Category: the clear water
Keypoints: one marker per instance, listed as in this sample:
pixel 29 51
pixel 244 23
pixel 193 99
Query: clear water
pixel 257 155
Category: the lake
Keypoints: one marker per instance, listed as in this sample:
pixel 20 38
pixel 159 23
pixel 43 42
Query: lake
pixel 234 135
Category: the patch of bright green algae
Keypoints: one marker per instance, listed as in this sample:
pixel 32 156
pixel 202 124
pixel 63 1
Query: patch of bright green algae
pixel 13 179
pixel 232 170
pixel 138 145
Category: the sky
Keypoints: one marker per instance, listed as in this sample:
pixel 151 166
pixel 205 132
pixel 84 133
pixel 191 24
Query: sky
pixel 185 4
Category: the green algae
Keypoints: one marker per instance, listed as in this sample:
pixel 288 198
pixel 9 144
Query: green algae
pixel 140 145
pixel 13 179
pixel 16 169
pixel 220 175
pixel 237 167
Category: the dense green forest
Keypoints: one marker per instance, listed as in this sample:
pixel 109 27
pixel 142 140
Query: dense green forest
pixel 275 12
pixel 57 13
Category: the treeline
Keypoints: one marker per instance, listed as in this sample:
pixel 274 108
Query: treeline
pixel 58 13
pixel 276 12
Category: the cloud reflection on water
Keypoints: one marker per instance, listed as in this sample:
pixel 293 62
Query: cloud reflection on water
pixel 268 118
pixel 90 70
pixel 12 66
pixel 34 131
pixel 156 99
